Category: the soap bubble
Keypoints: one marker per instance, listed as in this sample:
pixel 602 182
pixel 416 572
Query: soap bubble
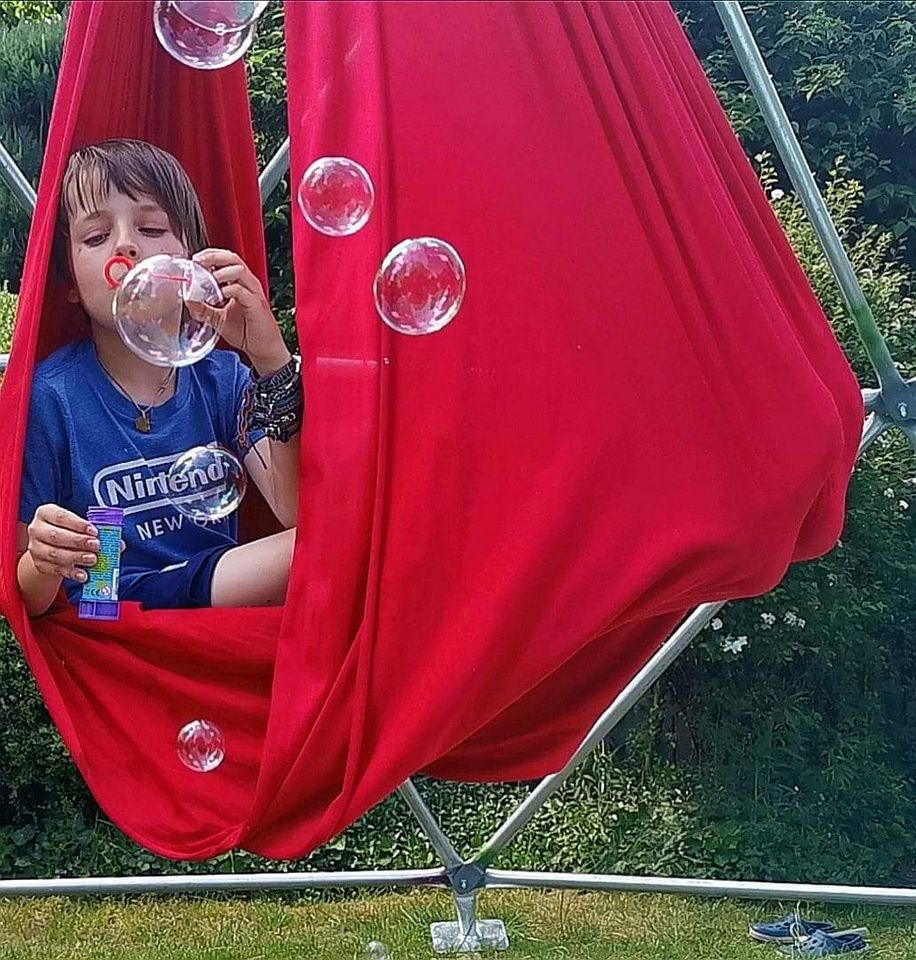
pixel 376 950
pixel 201 746
pixel 166 310
pixel 206 483
pixel 221 16
pixel 336 196
pixel 420 286
pixel 194 45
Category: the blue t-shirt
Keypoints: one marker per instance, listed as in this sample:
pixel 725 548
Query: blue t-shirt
pixel 82 449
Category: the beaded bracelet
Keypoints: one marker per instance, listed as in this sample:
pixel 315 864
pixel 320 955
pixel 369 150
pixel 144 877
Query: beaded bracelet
pixel 273 404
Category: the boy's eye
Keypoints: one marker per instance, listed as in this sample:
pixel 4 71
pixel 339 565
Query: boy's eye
pixel 153 231
pixel 95 239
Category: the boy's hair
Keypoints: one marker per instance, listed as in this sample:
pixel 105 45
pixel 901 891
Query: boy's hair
pixel 135 168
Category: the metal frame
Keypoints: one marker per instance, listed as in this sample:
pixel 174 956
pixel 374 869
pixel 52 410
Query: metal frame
pixel 893 403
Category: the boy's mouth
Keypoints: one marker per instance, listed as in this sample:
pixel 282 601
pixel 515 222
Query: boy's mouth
pixel 115 269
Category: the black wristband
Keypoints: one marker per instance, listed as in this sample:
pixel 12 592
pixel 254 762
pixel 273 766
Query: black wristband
pixel 273 404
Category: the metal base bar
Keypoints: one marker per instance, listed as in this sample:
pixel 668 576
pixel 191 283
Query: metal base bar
pixel 468 934
pixel 197 883
pixel 741 889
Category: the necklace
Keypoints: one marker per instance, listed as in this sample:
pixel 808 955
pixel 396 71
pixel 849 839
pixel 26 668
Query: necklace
pixel 142 423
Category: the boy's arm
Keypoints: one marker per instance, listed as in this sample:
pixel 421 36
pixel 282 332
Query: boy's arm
pixel 38 589
pixel 272 464
pixel 279 480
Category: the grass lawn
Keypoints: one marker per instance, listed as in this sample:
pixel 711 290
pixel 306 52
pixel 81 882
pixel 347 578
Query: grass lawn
pixel 540 924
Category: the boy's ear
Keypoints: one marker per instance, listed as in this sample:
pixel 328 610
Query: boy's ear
pixel 73 295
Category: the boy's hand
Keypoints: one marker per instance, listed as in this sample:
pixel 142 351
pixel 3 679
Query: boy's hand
pixel 61 543
pixel 248 323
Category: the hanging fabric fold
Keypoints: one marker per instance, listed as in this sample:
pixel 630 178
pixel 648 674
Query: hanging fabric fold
pixel 640 407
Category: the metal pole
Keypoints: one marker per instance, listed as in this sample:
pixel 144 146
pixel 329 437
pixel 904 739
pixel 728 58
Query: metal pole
pixel 627 698
pixel 274 172
pixel 441 843
pixel 16 180
pixel 893 388
pixel 746 889
pixel 114 886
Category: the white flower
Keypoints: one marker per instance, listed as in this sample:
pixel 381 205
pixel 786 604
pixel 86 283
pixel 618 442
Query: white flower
pixel 716 623
pixel 801 623
pixel 832 579
pixel 903 504
pixel 732 645
pixel 910 481
pixel 889 492
pixel 790 618
pixel 768 618
pixel 777 194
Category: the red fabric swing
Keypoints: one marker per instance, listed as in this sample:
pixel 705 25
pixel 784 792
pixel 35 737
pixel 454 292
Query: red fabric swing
pixel 640 407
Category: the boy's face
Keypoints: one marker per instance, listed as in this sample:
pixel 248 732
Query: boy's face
pixel 118 226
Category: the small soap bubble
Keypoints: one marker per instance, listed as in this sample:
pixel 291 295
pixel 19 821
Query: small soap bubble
pixel 206 483
pixel 336 196
pixel 376 950
pixel 221 16
pixel 201 746
pixel 196 46
pixel 167 310
pixel 420 286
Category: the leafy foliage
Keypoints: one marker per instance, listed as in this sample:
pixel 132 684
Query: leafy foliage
pixel 29 60
pixel 7 317
pixel 267 89
pixel 17 11
pixel 846 73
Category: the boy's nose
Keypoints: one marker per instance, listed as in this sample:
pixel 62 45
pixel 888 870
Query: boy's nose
pixel 128 249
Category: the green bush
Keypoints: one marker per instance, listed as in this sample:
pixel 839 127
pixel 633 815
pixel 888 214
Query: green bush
pixel 845 72
pixel 7 317
pixel 29 60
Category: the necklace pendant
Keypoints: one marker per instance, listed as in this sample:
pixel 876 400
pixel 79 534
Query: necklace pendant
pixel 142 423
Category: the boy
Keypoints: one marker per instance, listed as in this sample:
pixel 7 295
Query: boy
pixel 86 444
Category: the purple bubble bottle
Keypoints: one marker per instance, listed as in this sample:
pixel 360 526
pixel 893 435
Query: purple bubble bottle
pixel 99 599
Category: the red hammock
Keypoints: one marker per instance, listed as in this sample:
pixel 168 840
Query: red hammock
pixel 640 407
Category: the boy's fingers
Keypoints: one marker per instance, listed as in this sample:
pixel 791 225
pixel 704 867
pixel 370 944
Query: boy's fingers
pixel 201 311
pixel 63 539
pixel 56 516
pixel 64 558
pixel 235 291
pixel 62 563
pixel 216 257
pixel 237 274
pixel 232 271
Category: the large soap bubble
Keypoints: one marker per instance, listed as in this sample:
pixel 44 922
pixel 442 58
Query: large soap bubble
pixel 201 746
pixel 206 483
pixel 336 196
pixel 420 286
pixel 167 310
pixel 196 46
pixel 221 16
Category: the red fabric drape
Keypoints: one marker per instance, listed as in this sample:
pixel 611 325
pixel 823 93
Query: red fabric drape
pixel 639 408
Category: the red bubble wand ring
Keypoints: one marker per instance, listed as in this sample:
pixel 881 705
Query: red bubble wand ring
pixel 108 270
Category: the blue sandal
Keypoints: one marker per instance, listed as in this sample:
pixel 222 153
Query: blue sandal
pixel 821 944
pixel 787 930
